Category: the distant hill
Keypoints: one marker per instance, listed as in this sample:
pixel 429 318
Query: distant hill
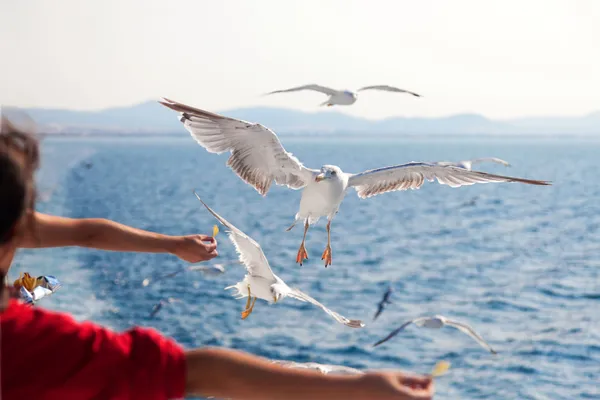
pixel 152 118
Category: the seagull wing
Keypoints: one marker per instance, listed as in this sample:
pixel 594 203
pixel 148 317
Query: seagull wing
pixel 316 88
pixel 385 300
pixel 395 332
pixel 299 295
pixel 156 308
pixel 414 174
pixel 489 159
pixel 467 164
pixel 464 328
pixel 257 155
pixel 380 307
pixel 387 295
pixel 388 89
pixel 215 269
pixel 323 368
pixel 250 252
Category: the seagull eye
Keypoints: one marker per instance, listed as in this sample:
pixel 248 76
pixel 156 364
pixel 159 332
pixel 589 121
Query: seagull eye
pixel 333 172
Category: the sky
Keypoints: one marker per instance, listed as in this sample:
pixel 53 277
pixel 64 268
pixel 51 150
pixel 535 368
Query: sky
pixel 502 59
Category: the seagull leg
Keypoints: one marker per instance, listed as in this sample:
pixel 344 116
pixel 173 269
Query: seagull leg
pixel 247 312
pixel 249 298
pixel 327 253
pixel 249 307
pixel 302 253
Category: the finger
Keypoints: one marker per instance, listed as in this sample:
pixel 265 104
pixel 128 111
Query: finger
pixel 208 239
pixel 415 381
pixel 418 393
pixel 210 247
pixel 415 378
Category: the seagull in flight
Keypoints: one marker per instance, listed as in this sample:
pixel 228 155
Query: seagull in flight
pixel 438 322
pixel 384 301
pixel 260 282
pixel 471 202
pixel 325 369
pixel 468 164
pixel 342 97
pixel 210 270
pixel 158 306
pixel 259 158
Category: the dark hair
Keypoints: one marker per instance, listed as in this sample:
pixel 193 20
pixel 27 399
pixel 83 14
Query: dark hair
pixel 14 193
pixel 16 180
pixel 19 158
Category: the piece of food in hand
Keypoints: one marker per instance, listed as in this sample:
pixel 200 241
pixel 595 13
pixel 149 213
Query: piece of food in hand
pixel 215 231
pixel 25 280
pixel 440 368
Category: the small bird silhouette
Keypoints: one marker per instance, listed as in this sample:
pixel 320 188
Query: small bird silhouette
pixel 158 306
pixel 384 301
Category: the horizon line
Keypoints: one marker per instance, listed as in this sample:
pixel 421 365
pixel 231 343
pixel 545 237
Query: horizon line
pixel 317 111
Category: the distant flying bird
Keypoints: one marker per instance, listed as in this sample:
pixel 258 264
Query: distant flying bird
pixel 471 202
pixel 342 97
pixel 325 369
pixel 467 164
pixel 438 322
pixel 260 281
pixel 384 301
pixel 258 157
pixel 158 306
pixel 211 269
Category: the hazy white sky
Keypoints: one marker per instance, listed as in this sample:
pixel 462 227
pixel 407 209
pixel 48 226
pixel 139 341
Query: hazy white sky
pixel 502 58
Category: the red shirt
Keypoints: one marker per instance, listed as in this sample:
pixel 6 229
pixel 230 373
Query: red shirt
pixel 49 355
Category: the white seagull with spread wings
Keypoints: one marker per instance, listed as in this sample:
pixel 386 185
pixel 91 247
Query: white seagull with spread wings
pixel 258 157
pixel 260 281
pixel 438 322
pixel 342 97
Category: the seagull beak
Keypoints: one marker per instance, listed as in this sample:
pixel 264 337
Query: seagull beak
pixel 320 177
pixel 274 299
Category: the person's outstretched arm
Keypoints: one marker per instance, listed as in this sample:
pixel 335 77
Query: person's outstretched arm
pixel 52 231
pixel 224 373
pixel 80 361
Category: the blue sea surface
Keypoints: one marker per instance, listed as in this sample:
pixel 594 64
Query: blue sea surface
pixel 519 263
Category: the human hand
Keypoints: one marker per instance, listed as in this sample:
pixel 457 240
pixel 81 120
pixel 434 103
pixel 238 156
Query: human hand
pixel 395 385
pixel 193 248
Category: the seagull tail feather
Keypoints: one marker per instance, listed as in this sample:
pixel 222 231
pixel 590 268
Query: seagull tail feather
pixel 240 289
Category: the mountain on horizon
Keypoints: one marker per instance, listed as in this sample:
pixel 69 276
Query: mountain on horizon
pixel 152 118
